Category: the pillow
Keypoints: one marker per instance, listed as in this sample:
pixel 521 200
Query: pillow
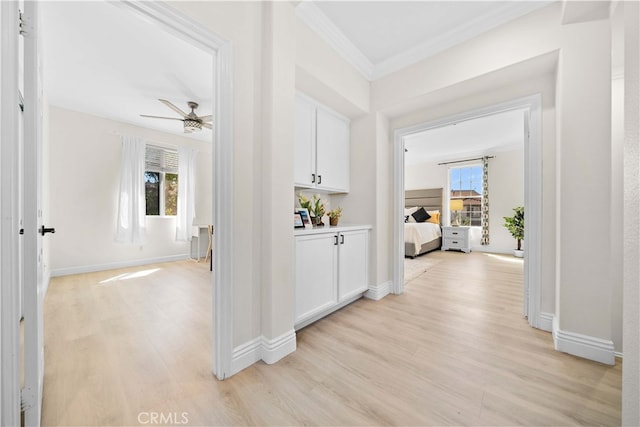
pixel 421 215
pixel 435 217
pixel 408 212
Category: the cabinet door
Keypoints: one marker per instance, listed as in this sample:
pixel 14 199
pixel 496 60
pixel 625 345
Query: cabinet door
pixel 305 140
pixel 316 274
pixel 353 263
pixel 332 151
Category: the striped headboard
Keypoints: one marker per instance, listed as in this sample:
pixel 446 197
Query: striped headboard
pixel 429 198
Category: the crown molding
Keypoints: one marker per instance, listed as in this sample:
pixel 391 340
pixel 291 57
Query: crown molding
pixel 481 24
pixel 327 30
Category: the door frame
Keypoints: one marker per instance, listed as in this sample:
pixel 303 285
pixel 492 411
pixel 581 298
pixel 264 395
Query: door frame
pixel 9 224
pixel 199 36
pixel 532 195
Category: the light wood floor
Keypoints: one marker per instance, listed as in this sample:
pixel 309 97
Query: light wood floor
pixel 452 350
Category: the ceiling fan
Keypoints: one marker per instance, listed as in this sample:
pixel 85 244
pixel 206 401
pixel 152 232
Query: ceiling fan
pixel 192 122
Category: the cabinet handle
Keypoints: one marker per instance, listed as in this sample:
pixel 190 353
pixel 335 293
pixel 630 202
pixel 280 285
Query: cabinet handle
pixel 342 239
pixel 335 243
pixel 313 178
pixel 319 179
pixel 455 233
pixel 454 242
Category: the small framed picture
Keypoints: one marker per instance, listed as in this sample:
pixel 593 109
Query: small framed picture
pixel 306 218
pixel 297 220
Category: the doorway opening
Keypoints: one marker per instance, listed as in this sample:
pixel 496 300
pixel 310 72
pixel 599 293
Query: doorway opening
pixel 217 141
pixel 531 106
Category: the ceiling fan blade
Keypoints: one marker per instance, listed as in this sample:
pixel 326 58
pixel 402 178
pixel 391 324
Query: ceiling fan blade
pixel 173 107
pixel 159 117
pixel 206 118
pixel 207 125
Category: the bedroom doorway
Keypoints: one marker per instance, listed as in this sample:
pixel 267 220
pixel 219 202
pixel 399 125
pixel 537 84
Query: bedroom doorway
pixel 220 50
pixel 531 112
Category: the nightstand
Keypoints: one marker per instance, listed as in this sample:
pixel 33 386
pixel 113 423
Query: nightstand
pixel 456 238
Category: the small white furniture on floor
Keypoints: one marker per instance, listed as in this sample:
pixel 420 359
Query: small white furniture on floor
pixel 456 238
pixel 196 233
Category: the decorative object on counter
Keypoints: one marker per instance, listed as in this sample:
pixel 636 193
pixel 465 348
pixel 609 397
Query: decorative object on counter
pixel 315 206
pixel 334 216
pixel 515 225
pixel 306 218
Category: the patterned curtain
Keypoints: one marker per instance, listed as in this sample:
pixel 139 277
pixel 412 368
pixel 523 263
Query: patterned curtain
pixel 484 240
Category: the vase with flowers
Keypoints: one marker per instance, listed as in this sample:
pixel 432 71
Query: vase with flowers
pixel 316 207
pixel 334 215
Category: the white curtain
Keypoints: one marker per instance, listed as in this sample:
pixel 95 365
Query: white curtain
pixel 131 206
pixel 186 193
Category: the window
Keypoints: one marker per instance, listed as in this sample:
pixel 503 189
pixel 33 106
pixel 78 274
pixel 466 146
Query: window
pixel 161 181
pixel 465 183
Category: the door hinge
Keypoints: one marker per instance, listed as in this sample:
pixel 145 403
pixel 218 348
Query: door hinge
pixel 27 398
pixel 21 25
pixel 20 101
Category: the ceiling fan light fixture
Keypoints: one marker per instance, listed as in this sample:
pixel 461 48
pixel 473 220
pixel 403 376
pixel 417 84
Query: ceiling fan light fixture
pixel 192 126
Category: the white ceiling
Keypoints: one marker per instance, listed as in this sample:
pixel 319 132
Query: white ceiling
pixel 380 37
pixel 102 60
pixel 478 137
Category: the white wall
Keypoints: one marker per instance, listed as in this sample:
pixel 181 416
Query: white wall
pixel 506 191
pixel 617 207
pixel 84 167
pixel 631 346
pixel 577 159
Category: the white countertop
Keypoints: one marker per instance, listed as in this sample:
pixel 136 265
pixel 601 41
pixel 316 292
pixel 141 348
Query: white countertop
pixel 330 229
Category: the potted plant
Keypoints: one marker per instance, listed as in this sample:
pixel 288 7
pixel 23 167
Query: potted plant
pixel 515 225
pixel 315 206
pixel 334 215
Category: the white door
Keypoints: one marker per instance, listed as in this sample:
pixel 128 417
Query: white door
pixel 304 171
pixel 525 299
pixel 332 151
pixel 32 220
pixel 316 274
pixel 353 264
pixel 9 226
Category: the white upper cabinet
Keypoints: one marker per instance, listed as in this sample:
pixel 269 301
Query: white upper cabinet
pixel 332 151
pixel 321 147
pixel 305 136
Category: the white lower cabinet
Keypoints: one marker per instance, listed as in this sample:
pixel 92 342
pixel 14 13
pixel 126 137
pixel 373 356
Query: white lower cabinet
pixel 331 271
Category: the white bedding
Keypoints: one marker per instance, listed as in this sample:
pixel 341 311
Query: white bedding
pixel 420 233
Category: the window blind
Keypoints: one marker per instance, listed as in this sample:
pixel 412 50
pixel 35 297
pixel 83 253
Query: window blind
pixel 159 159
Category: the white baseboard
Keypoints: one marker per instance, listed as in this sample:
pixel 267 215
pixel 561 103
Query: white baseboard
pixel 115 265
pixel 377 292
pixel 262 348
pixel 545 321
pixel 584 346
pixel 277 348
pixel 246 355
pixel 46 278
pixel 620 355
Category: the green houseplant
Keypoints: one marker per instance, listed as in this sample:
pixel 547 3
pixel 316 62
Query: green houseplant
pixel 315 206
pixel 515 225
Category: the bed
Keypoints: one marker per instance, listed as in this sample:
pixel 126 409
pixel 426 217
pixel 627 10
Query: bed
pixel 422 237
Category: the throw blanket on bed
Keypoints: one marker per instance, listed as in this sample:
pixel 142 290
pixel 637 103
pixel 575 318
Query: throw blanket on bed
pixel 420 233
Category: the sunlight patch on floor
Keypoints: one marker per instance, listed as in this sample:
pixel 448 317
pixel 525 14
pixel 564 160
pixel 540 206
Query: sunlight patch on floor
pixel 127 276
pixel 506 258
